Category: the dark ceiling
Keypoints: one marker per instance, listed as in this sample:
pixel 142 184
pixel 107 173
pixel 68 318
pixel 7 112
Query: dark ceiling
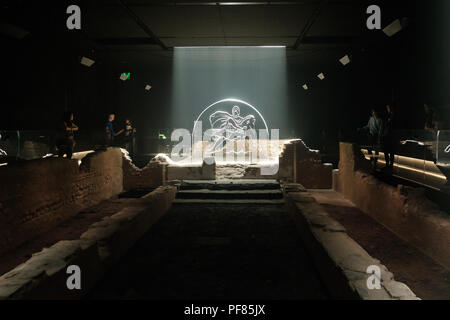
pixel 138 36
pixel 150 24
pixel 204 23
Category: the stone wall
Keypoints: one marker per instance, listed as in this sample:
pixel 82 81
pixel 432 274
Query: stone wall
pixel 44 275
pixel 194 172
pixel 151 176
pixel 300 164
pixel 341 261
pixel 286 161
pixel 403 210
pixel 36 195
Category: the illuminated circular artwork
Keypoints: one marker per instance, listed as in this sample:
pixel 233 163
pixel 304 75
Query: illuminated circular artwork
pixel 229 120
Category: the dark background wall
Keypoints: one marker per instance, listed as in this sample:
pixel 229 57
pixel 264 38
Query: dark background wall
pixel 43 78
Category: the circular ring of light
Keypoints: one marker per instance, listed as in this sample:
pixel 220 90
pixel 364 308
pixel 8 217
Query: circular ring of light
pixel 231 100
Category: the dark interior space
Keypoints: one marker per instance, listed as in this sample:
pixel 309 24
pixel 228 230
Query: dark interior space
pixel 45 76
pixel 190 150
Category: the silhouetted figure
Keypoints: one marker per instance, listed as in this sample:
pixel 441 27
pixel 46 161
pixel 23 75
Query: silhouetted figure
pixel 433 122
pixel 66 140
pixel 388 141
pixel 129 137
pixel 323 142
pixel 110 133
pixel 374 132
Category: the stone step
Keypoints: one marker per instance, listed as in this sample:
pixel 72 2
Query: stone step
pixel 229 194
pixel 228 202
pixel 242 184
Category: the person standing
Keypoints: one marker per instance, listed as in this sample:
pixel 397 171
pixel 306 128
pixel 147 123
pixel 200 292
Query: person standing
pixel 374 132
pixel 388 142
pixel 110 133
pixel 433 120
pixel 129 133
pixel 430 123
pixel 66 139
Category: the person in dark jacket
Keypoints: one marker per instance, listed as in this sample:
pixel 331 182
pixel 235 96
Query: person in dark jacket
pixel 388 141
pixel 66 136
pixel 129 137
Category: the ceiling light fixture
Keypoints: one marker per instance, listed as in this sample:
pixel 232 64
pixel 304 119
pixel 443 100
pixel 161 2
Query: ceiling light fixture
pixel 87 62
pixel 393 28
pixel 345 60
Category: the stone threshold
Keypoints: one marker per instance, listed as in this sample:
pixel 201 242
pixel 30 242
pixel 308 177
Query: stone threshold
pixel 340 260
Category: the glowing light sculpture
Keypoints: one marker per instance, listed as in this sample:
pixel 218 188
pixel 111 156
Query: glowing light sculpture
pixel 233 134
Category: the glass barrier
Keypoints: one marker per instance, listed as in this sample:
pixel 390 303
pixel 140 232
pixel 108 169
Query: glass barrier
pixel 33 144
pixel 419 144
pixel 9 144
pixel 26 145
pixel 443 147
pixel 419 156
pixel 443 154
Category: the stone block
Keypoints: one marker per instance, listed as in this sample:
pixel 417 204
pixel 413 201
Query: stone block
pixel 399 290
pixel 341 261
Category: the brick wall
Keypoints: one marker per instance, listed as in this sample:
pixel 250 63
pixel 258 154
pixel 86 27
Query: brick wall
pixel 36 195
pixel 404 210
pixel 151 176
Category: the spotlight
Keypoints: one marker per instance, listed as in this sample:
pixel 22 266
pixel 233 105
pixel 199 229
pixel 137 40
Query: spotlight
pixel 305 86
pixel 148 87
pixel 87 62
pixel 321 76
pixel 344 60
pixel 393 28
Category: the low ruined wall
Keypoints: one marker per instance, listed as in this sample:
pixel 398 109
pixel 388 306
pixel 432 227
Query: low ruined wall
pixel 152 175
pixel 403 210
pixel 300 164
pixel 44 275
pixel 286 161
pixel 36 195
pixel 200 172
pixel 341 262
